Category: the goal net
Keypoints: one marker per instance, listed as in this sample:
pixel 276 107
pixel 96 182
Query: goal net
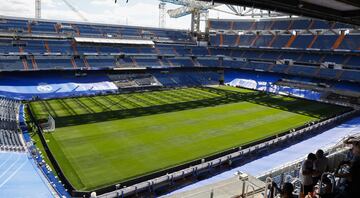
pixel 49 126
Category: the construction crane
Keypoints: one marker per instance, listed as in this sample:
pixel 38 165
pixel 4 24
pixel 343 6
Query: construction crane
pixel 197 9
pixel 188 7
pixel 38 9
pixel 162 15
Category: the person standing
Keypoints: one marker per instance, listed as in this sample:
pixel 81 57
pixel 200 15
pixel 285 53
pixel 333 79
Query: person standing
pixel 306 172
pixel 353 176
pixel 320 165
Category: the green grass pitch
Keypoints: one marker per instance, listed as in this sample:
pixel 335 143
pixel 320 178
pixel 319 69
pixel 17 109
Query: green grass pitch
pixel 104 140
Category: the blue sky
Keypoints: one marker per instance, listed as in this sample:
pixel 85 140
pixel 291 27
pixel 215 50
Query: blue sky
pixel 136 12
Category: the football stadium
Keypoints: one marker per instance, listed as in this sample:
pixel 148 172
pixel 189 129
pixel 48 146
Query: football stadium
pixel 252 98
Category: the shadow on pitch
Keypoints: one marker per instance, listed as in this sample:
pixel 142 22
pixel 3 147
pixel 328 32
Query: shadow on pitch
pixel 227 97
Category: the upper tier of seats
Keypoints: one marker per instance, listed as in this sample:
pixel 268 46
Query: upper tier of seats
pixel 92 30
pixel 328 41
pixel 54 47
pixel 279 24
pixel 280 33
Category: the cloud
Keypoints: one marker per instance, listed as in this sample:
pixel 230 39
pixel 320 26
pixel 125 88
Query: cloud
pixel 136 12
pixel 14 7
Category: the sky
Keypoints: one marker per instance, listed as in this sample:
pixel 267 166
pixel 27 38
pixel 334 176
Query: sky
pixel 135 12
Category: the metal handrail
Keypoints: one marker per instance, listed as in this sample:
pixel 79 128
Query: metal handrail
pixel 332 182
pixel 268 186
pixel 247 190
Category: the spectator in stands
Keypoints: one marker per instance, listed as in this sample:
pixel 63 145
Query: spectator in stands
pixel 286 191
pixel 327 191
pixel 320 165
pixel 350 156
pixel 353 176
pixel 306 172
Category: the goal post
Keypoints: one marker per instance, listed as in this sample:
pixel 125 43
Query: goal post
pixel 49 126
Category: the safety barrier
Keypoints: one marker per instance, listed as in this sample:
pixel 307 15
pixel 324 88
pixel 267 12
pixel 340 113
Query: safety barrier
pixel 40 162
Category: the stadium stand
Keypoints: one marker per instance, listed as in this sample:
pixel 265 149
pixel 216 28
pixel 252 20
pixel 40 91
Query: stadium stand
pixel 36 85
pixel 306 47
pixel 280 24
pixel 131 81
pixel 181 79
pixel 9 136
pixel 291 85
pixel 303 58
pixel 40 182
pixel 92 30
pixel 304 41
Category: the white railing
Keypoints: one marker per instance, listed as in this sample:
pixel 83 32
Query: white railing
pixel 335 155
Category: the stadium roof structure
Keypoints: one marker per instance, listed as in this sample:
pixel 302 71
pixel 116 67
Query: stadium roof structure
pixel 346 11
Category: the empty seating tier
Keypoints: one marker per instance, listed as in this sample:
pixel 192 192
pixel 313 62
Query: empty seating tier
pixel 278 24
pixel 9 136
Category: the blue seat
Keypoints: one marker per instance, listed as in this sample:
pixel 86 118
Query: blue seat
pixel 350 42
pixel 328 73
pixel 11 63
pixel 262 25
pixel 290 55
pixel 166 50
pixel 183 50
pixel 320 24
pixel 342 26
pixel 281 25
pixel 199 51
pixel 351 75
pixel 270 55
pixel 252 54
pixel 231 63
pixel 280 41
pixel 215 40
pixel 302 70
pixel 263 41
pixel 43 27
pixel 300 24
pixel 310 57
pixel 101 62
pixel 229 40
pixel 13 25
pixel 181 62
pixel 258 66
pixel 302 41
pixel 246 40
pixel 354 61
pixel 336 58
pixel 220 25
pixel 209 62
pixel 325 41
pixel 53 63
pixel 147 62
pixel 108 49
pixel 279 68
pixel 238 25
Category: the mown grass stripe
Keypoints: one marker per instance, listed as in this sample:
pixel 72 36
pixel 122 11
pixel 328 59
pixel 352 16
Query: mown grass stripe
pixel 192 124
